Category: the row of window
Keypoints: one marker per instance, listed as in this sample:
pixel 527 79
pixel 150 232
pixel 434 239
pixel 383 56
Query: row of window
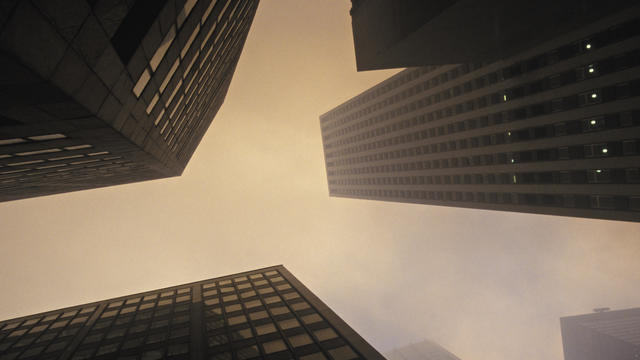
pixel 604 202
pixel 592 176
pixel 609 36
pixel 495 98
pixel 629 147
pixel 194 108
pixel 207 108
pixel 593 97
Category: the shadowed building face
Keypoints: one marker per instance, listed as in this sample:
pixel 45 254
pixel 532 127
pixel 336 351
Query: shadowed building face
pixel 99 93
pixel 265 313
pixel 406 33
pixel 552 130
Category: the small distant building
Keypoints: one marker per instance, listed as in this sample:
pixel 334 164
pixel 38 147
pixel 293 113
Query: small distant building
pixel 424 350
pixel 605 335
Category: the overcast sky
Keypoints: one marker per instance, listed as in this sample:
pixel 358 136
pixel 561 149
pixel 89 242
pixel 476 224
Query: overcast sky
pixel 486 285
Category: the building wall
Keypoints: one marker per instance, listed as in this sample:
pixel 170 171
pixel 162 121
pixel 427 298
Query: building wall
pixel 265 313
pixel 613 335
pixel 553 130
pixel 141 80
pixel 396 34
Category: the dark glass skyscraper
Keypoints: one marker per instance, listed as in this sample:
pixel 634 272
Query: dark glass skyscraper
pixel 265 313
pixel 406 33
pixel 101 92
pixel 552 130
pixel 611 335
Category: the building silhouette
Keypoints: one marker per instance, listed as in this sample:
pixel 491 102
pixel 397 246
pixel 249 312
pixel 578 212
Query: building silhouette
pixel 408 33
pixel 552 130
pixel 611 335
pixel 265 313
pixel 104 92
pixel 423 350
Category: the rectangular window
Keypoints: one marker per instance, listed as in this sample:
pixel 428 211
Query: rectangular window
pixel 187 45
pixel 142 82
pixel 162 49
pixel 186 10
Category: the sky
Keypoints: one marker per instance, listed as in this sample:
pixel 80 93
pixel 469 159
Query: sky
pixel 486 285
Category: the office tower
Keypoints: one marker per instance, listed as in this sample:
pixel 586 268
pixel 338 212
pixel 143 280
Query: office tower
pixel 553 130
pixel 408 33
pixel 611 335
pixel 423 350
pixel 265 313
pixel 104 92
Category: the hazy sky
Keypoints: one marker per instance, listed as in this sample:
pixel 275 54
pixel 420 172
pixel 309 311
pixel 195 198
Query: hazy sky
pixel 486 285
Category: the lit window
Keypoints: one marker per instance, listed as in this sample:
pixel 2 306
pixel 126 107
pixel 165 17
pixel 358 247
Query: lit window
pixel 186 10
pixel 265 329
pixel 167 78
pixel 312 318
pixel 78 147
pixel 325 334
pixel 162 49
pixel 46 137
pixel 152 104
pixel 186 47
pixel 142 82
pixel 159 117
pixel 37 152
pixel 274 346
pixel 25 163
pixel 175 91
pixel 258 315
pixel 207 12
pixel 300 340
pixel 289 324
pixel 235 320
pixel 343 353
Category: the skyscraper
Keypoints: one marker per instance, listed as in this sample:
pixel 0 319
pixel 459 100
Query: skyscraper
pixel 102 92
pixel 265 313
pixel 406 33
pixel 552 130
pixel 423 350
pixel 611 335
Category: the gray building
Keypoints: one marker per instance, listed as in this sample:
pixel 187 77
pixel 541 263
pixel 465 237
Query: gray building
pixel 407 33
pixel 104 92
pixel 552 130
pixel 610 335
pixel 265 313
pixel 423 350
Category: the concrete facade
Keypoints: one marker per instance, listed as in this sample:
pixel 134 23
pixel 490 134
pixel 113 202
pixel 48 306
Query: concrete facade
pixel 265 313
pixel 407 33
pixel 552 130
pixel 611 335
pixel 106 92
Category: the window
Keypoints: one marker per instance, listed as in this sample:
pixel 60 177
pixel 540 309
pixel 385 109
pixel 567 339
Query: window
pixel 314 356
pixel 289 324
pixel 247 352
pixel 300 340
pixel 186 10
pixel 312 318
pixel 325 334
pixel 234 320
pixel 142 82
pixel 162 49
pixel 274 346
pixel 258 315
pixel 343 353
pixel 265 329
pixel 187 45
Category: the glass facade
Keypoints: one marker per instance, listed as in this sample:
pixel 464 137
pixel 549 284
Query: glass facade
pixel 553 130
pixel 265 313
